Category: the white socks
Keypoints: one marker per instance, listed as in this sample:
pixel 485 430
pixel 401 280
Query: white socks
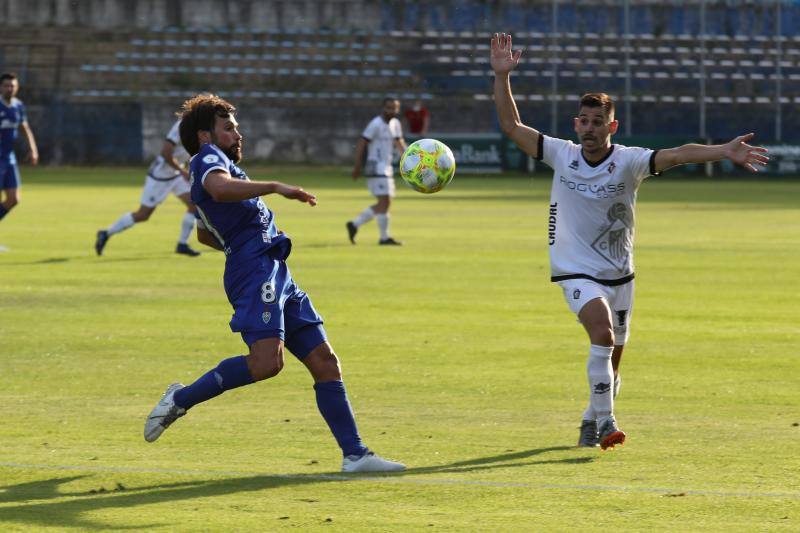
pixel 383 225
pixel 187 225
pixel 365 216
pixel 601 382
pixel 124 222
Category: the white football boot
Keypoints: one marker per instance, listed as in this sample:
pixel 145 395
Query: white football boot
pixel 163 414
pixel 369 462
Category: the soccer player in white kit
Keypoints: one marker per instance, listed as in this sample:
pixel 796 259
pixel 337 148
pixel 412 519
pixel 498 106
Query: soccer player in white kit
pixel 380 137
pixel 591 224
pixel 167 174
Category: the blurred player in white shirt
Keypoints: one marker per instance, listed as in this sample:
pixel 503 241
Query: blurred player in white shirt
pixel 380 137
pixel 591 224
pixel 167 174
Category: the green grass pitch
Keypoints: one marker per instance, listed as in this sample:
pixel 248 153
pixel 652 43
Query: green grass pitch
pixel 460 357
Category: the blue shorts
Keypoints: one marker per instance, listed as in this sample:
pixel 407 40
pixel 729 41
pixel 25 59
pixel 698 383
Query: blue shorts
pixel 268 303
pixel 9 174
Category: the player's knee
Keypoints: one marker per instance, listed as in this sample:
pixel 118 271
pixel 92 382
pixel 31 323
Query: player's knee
pixel 329 369
pixel 11 201
pixel 265 364
pixel 601 335
pixel 323 364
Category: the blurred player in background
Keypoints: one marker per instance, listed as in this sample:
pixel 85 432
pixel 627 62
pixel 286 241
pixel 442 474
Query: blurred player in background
pixel 418 118
pixel 12 118
pixel 270 310
pixel 380 137
pixel 591 224
pixel 167 174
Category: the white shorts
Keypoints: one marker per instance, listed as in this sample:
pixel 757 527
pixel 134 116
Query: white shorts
pixel 381 186
pixel 579 292
pixel 156 191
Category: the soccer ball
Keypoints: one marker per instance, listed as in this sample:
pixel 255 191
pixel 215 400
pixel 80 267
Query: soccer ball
pixel 427 165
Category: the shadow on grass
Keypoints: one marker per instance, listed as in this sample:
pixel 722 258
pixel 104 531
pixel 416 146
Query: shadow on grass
pixel 88 259
pixel 34 512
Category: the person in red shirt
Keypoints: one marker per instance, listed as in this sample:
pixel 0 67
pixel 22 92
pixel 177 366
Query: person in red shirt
pixel 418 118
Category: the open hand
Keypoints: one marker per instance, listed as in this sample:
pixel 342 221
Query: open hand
pixel 745 155
pixel 297 193
pixel 503 59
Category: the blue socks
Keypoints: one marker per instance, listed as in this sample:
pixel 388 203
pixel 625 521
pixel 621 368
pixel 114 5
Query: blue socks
pixel 3 211
pixel 331 400
pixel 335 409
pixel 229 374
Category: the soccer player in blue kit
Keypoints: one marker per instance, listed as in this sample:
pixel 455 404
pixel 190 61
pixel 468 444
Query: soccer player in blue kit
pixel 12 118
pixel 270 310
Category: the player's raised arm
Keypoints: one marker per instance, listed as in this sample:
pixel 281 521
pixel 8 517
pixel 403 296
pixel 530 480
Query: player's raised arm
pixel 503 61
pixel 737 150
pixel 223 188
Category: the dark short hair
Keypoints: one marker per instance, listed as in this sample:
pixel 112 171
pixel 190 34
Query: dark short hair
pixel 389 99
pixel 198 114
pixel 599 100
pixel 8 76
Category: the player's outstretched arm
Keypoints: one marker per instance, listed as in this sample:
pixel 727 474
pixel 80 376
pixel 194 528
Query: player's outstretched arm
pixel 737 150
pixel 503 60
pixel 223 188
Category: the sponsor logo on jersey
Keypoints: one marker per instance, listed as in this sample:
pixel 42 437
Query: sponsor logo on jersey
pixel 608 190
pixel 210 158
pixel 551 224
pixel 602 388
pixel 265 217
pixel 616 239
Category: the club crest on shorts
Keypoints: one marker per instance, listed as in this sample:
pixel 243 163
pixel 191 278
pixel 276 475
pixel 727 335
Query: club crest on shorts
pixel 266 316
pixel 576 294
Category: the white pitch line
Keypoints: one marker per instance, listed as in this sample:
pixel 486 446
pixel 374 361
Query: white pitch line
pixel 403 479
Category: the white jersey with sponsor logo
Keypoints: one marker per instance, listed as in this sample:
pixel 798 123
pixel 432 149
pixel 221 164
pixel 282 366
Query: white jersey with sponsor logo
pixel 380 150
pixel 591 222
pixel 160 169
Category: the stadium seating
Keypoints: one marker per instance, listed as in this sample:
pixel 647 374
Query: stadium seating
pixel 440 54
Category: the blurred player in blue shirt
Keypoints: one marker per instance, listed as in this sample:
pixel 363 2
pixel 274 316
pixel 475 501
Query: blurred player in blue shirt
pixel 12 118
pixel 270 310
